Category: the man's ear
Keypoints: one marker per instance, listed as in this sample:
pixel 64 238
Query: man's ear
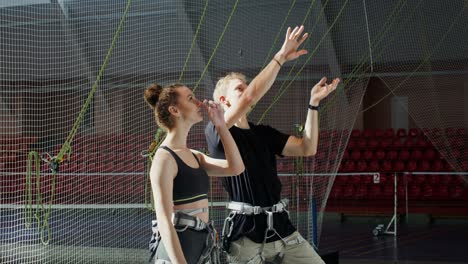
pixel 223 101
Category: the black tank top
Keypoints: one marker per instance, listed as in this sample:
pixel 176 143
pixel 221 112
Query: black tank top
pixel 190 184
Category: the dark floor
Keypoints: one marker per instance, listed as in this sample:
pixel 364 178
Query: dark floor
pixel 419 239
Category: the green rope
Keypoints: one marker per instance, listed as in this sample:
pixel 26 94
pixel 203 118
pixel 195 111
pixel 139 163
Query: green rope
pixel 279 33
pixel 158 139
pixel 305 63
pixel 67 145
pixel 42 214
pixel 33 155
pixel 217 45
pixel 193 40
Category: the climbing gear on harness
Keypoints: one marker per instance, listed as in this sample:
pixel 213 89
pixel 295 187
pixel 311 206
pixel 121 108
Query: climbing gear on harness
pixel 184 219
pixel 248 209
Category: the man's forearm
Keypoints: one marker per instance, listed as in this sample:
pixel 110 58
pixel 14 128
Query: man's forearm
pixel 264 80
pixel 311 130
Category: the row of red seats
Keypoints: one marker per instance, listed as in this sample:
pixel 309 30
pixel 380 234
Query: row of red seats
pixel 412 132
pixel 77 189
pixel 391 154
pixel 388 178
pixel 398 143
pixel 386 192
pixel 394 165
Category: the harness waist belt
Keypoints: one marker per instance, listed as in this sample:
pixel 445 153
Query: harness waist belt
pixel 248 209
pixel 181 219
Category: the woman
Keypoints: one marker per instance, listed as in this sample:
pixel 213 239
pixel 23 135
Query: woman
pixel 179 176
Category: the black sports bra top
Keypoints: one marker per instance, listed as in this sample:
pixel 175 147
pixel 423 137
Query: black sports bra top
pixel 190 184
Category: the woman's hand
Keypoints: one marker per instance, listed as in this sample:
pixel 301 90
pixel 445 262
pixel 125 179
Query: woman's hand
pixel 215 112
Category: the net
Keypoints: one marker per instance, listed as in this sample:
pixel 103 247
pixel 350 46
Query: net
pixel 72 75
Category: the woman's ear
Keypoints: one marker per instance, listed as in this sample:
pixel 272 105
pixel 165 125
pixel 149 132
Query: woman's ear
pixel 173 110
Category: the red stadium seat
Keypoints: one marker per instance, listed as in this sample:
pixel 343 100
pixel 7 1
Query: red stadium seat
pixel 354 179
pixel 349 166
pixel 422 143
pixel 409 143
pixel 379 133
pixel 389 133
pixel 396 143
pixel 391 155
pixel 373 166
pixel 352 144
pixel 436 132
pixel 361 143
pixel 414 192
pixel 411 165
pixel 348 191
pixel 456 143
pixel 375 191
pixel 336 192
pixel 401 132
pixel 414 132
pixel 372 143
pixel 398 165
pixel 442 192
pixel 434 179
pixel 355 133
pixel 345 155
pixel 368 133
pixel 361 166
pixel 424 165
pixel 380 154
pixel 404 155
pixel 456 192
pixel 367 179
pixel 429 154
pixel 355 154
pixel 437 165
pixel 388 191
pixel 450 132
pixel 386 143
pixel 427 191
pixel 368 154
pixel 361 192
pixel 387 166
pixel 416 154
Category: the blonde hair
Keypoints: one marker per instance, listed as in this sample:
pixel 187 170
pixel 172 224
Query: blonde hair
pixel 222 84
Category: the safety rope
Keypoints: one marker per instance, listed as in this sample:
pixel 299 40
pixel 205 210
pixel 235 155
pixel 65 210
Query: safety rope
pixel 42 215
pixel 193 40
pixel 217 45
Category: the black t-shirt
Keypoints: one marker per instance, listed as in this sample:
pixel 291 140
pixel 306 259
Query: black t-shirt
pixel 259 184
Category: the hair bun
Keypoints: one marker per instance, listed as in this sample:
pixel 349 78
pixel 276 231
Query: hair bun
pixel 152 94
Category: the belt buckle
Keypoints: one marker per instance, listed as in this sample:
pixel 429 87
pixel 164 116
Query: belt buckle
pixel 270 225
pixel 274 208
pixel 257 210
pixel 199 224
pixel 175 219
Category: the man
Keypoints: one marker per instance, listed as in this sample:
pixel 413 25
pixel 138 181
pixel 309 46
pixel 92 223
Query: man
pixel 258 228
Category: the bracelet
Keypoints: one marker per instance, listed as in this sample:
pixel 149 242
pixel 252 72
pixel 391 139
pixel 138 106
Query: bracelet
pixel 277 61
pixel 313 107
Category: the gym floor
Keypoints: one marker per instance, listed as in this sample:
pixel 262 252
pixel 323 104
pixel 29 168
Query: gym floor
pixel 419 239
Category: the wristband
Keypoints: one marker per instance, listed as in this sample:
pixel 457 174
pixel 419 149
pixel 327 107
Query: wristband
pixel 277 61
pixel 313 107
